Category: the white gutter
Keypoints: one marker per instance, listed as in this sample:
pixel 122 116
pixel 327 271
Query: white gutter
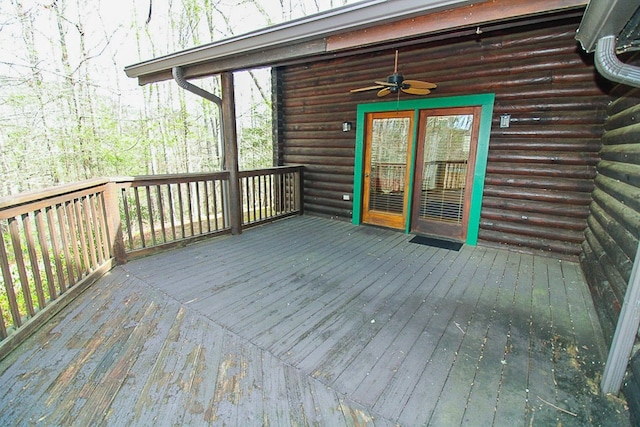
pixel 603 18
pixel 356 16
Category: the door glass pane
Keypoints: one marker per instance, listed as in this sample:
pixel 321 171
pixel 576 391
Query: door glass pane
pixel 446 153
pixel 389 145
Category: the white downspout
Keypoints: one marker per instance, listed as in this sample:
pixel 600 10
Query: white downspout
pixel 178 76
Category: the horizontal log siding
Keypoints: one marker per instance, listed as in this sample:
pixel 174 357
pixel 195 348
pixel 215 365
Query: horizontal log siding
pixel 540 169
pixel 614 223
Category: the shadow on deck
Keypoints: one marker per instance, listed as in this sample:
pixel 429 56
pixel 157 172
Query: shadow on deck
pixel 309 321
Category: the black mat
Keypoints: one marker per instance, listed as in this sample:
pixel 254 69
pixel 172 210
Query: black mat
pixel 438 243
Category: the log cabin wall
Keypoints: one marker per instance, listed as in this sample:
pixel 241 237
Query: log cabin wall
pixel 540 170
pixel 614 223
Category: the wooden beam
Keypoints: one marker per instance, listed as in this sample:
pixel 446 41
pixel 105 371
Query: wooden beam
pixel 625 334
pixel 449 20
pixel 230 137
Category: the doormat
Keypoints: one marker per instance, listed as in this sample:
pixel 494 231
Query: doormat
pixel 438 243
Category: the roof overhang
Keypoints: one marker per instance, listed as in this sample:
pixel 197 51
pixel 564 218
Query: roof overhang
pixel 617 18
pixel 366 23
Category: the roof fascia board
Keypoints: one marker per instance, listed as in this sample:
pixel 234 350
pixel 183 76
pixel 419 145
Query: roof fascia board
pixel 449 20
pixel 282 56
pixel 351 17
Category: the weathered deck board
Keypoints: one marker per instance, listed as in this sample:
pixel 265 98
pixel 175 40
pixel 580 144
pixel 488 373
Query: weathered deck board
pixel 512 398
pixel 316 322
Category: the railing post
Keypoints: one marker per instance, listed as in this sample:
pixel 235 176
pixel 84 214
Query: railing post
pixel 231 151
pixel 300 191
pixel 114 224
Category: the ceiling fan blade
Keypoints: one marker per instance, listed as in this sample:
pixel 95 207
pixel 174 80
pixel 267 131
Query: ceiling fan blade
pixel 362 89
pixel 384 92
pixel 381 83
pixel 419 84
pixel 415 91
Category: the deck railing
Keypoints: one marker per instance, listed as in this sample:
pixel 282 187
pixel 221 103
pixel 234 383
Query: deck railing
pixel 58 241
pixel 162 210
pixel 270 193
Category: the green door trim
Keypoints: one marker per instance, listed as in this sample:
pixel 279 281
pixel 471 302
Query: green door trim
pixel 483 100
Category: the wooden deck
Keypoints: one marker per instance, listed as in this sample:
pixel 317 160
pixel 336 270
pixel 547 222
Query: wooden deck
pixel 309 321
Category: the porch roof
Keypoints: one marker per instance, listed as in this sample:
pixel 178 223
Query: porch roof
pixel 337 31
pixel 309 320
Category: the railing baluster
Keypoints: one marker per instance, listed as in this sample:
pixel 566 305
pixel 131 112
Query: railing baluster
pixel 33 259
pixel 14 231
pixel 284 190
pixel 161 211
pixel 247 197
pixel 102 222
pixel 281 194
pixel 171 211
pixel 127 217
pixel 292 191
pixel 73 238
pixel 91 230
pixel 190 205
pixel 8 286
pixel 215 203
pixel 150 208
pixel 272 210
pixel 57 253
pixel 44 248
pixel 253 197
pixel 205 184
pixel 261 186
pixel 77 205
pixel 65 245
pixel 198 206
pixel 139 213
pixel 97 226
pixel 3 326
pixel 181 207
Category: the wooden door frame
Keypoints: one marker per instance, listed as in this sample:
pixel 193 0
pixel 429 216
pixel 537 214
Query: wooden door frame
pixel 485 101
pixel 378 217
pixel 446 229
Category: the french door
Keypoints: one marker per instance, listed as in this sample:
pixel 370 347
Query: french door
pixel 445 162
pixel 387 163
pixel 437 200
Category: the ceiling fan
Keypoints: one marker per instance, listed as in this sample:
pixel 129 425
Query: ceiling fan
pixel 396 83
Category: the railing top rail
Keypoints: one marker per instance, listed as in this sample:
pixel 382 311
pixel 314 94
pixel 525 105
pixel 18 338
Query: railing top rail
pixel 44 197
pixel 264 171
pixel 164 178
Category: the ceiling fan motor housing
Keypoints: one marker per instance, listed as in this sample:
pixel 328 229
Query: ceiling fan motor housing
pixel 396 79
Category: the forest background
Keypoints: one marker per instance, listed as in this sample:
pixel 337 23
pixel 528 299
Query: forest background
pixel 68 112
